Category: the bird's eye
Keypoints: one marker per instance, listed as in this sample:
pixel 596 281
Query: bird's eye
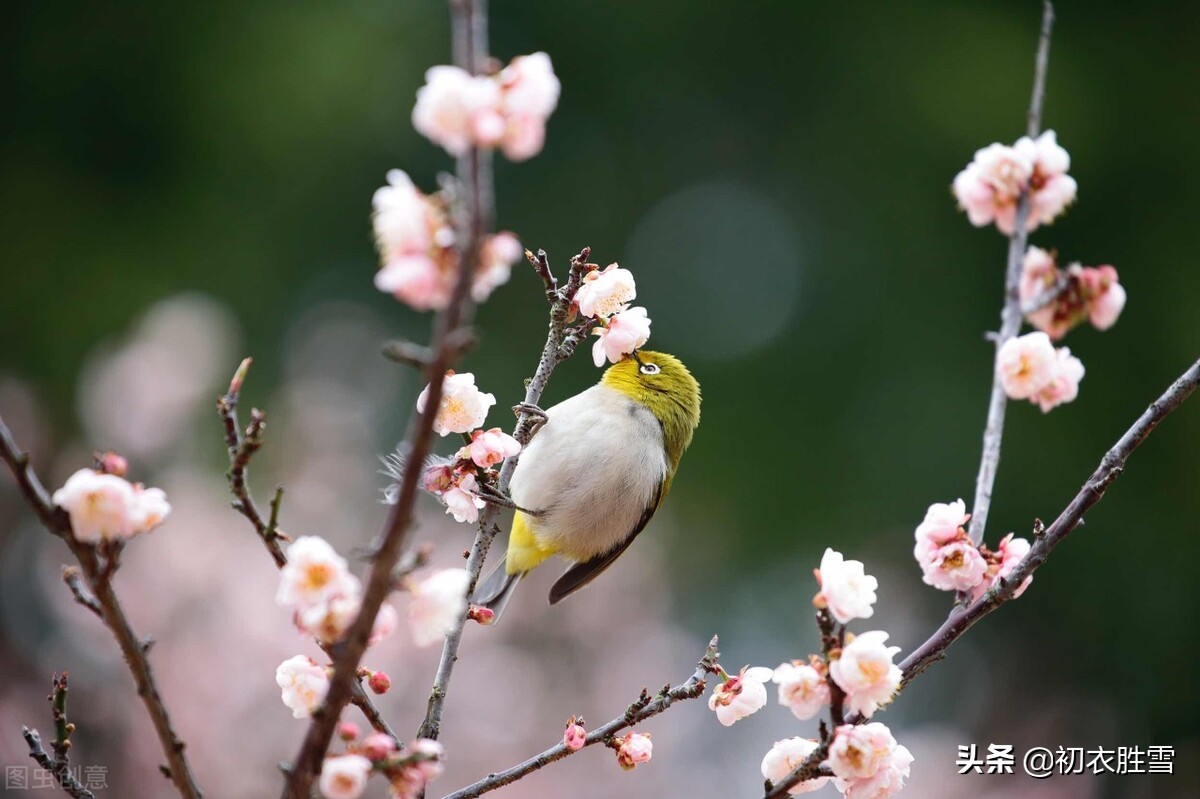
pixel 649 369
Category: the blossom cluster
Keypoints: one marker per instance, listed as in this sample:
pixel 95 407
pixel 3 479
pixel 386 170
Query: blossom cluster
pixel 407 770
pixel 416 244
pixel 1057 300
pixel 455 482
pixel 858 669
pixel 604 295
pixel 509 110
pixel 950 561
pixel 107 507
pixel 1029 367
pixel 990 187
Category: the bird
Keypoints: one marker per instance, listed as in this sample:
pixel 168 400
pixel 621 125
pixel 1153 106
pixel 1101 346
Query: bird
pixel 595 472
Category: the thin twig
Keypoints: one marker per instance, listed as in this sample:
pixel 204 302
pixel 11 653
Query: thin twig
pixel 65 779
pixel 1010 315
pixel 71 576
pixel 97 573
pixel 643 708
pixel 962 619
pixel 527 421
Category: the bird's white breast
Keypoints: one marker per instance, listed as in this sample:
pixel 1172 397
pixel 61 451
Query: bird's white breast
pixel 592 469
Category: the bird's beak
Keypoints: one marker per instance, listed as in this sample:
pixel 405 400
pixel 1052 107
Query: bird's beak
pixel 634 354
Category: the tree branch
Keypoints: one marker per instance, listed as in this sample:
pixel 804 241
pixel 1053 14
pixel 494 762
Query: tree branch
pixel 97 572
pixel 1010 315
pixel 60 764
pixel 962 619
pixel 643 708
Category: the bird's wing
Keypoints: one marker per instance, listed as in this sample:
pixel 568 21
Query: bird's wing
pixel 581 574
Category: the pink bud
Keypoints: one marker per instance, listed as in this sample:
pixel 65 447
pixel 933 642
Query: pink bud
pixel 112 463
pixel 347 731
pixel 633 749
pixel 377 746
pixel 379 682
pixel 438 479
pixel 481 615
pixel 575 737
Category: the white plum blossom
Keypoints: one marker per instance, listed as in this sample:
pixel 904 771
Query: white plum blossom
pixel 489 447
pixel 623 334
pixel 402 219
pixel 437 602
pixel 1063 386
pixel 605 292
pixel 866 673
pixel 784 757
pixel 456 109
pixel 529 95
pixel 314 574
pixel 741 695
pixel 943 522
pixel 887 780
pixel 848 591
pixel 344 776
pixel 462 501
pixel 858 751
pixel 802 689
pixel 304 684
pixel 956 566
pixel 463 406
pixel 500 251
pixel 431 756
pixel 105 507
pixel 1026 364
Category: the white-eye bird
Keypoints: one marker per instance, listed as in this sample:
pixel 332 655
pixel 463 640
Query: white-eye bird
pixel 595 473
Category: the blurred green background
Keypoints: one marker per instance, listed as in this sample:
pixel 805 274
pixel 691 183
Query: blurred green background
pixel 777 176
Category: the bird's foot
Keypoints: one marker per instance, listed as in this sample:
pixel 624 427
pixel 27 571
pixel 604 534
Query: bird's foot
pixel 537 417
pixel 493 497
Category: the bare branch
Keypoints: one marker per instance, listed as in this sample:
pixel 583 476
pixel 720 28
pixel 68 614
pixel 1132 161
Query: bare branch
pixel 962 619
pixel 71 576
pixel 1010 315
pixel 643 708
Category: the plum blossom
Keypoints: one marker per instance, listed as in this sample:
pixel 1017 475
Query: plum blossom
pixel 529 95
pixel 741 695
pixel 624 333
pixel 943 522
pixel 575 736
pixel 1078 293
pixel 497 256
pixel 888 779
pixel 456 109
pixel 605 292
pixel 105 507
pixel 1026 364
pixel 304 684
pixel 866 673
pixel 1063 386
pixel 956 566
pixel 437 602
pixel 463 406
pixel 802 688
pixel 1104 296
pixel 489 447
pixel 859 750
pixel 1001 563
pixel 633 749
pixel 784 757
pixel 377 746
pixel 429 757
pixel 848 591
pixel 1051 189
pixel 462 501
pixel 314 574
pixel 1040 274
pixel 344 776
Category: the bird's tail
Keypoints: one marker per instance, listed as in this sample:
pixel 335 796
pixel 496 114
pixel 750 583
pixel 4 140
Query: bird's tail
pixel 496 589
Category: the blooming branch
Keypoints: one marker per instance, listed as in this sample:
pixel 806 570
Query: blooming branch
pixel 643 708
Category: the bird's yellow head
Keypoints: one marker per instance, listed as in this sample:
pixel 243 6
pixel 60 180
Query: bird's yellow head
pixel 664 385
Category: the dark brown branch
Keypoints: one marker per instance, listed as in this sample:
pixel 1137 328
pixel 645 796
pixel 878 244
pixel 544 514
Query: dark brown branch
pixel 71 576
pixel 1010 315
pixel 643 708
pixel 97 573
pixel 962 619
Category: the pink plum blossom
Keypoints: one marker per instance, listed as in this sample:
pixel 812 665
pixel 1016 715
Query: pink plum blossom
pixel 1040 274
pixel 605 292
pixel 500 251
pixel 379 682
pixel 377 746
pixel 1106 297
pixel 741 695
pixel 304 684
pixel 454 108
pixel 1001 563
pixel 105 507
pixel 784 757
pixel 634 749
pixel 802 689
pixel 575 736
pixel 989 187
pixel 859 750
pixel 943 522
pixel 344 776
pixel 956 566
pixel 1051 188
pixel 1063 386
pixel 402 218
pixel 415 280
pixel 429 756
pixel 314 574
pixel 529 95
pixel 888 779
pixel 1026 364
pixel 623 334
pixel 849 592
pixel 463 406
pixel 437 602
pixel 462 501
pixel 866 673
pixel 490 447
pixel 524 137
